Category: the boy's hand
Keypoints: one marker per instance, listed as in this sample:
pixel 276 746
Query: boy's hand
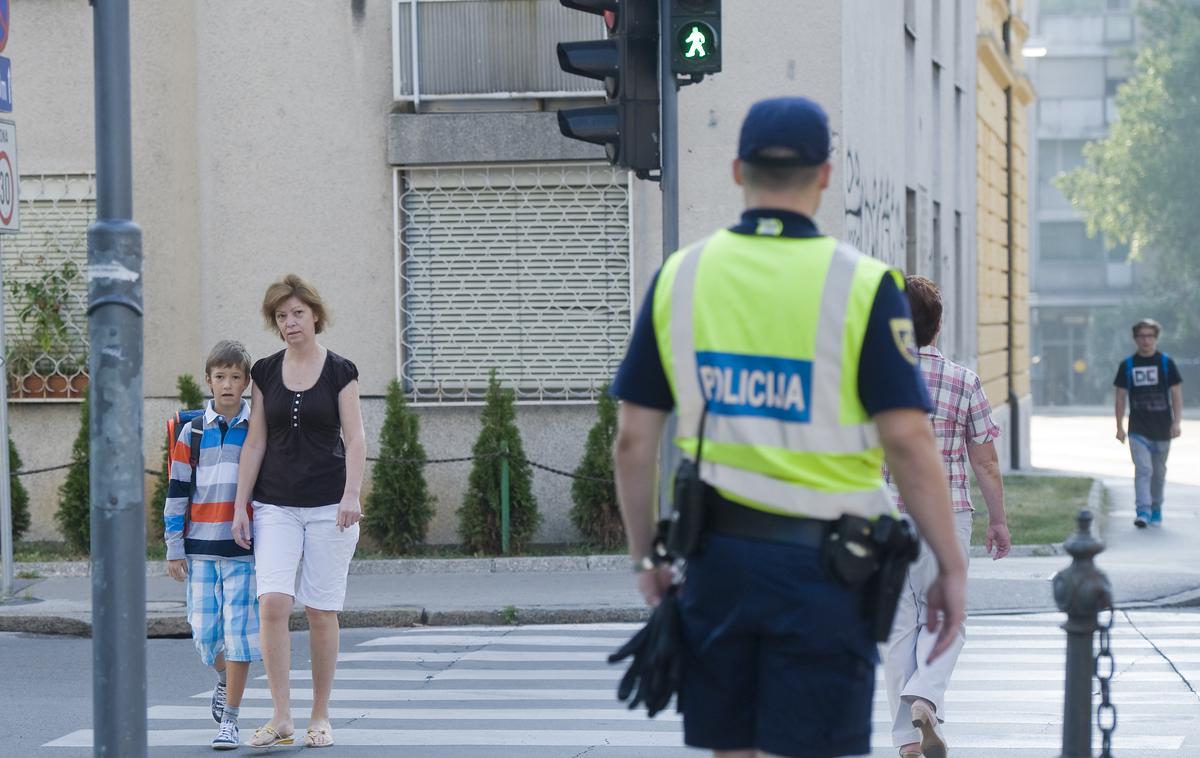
pixel 177 569
pixel 242 534
pixel 349 513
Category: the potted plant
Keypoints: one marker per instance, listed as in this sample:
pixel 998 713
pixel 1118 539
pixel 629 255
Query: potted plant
pixel 41 365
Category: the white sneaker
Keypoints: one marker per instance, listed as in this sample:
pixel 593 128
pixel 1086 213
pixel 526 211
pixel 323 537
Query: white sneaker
pixel 227 736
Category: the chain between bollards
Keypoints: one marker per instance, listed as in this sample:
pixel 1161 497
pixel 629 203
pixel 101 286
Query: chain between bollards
pixel 1083 592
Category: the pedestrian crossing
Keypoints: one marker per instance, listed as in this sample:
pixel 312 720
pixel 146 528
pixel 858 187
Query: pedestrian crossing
pixel 547 691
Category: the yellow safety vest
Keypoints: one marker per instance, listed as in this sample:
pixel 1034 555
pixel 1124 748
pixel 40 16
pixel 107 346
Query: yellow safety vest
pixel 767 331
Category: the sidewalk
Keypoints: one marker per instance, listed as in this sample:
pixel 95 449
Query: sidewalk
pixel 1146 567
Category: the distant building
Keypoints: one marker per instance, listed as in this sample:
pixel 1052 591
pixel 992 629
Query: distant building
pixel 1088 52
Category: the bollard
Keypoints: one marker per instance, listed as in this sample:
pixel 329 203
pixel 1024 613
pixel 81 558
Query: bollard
pixel 504 497
pixel 1082 591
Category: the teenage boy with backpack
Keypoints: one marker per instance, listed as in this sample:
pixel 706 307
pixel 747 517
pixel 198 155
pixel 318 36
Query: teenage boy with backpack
pixel 1151 381
pixel 222 606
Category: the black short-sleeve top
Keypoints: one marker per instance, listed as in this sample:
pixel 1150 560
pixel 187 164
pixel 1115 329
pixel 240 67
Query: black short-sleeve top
pixel 305 460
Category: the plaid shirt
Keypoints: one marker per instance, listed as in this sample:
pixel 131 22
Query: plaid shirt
pixel 961 416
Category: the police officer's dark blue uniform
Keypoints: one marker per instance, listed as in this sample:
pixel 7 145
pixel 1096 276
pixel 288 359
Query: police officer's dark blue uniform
pixel 778 657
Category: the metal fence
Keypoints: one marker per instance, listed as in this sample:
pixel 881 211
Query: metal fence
pixel 45 297
pixel 524 269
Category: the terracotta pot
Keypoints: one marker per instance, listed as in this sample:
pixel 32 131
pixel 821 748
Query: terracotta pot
pixel 79 385
pixel 33 385
pixel 57 385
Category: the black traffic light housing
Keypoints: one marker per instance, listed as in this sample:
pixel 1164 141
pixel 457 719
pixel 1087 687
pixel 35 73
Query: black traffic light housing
pixel 627 63
pixel 694 34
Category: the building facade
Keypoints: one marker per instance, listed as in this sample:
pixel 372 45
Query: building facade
pixel 1003 97
pixel 1088 52
pixel 404 155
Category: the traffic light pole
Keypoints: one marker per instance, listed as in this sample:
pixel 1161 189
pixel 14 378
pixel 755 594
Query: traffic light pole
pixel 116 463
pixel 668 454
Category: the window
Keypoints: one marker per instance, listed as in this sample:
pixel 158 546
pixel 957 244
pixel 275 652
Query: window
pixel 1068 240
pixel 524 269
pixel 1071 78
pixel 45 295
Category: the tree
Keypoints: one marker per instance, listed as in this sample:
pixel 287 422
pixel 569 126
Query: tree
pixel 74 514
pixel 190 398
pixel 595 512
pixel 18 494
pixel 399 508
pixel 479 516
pixel 1138 185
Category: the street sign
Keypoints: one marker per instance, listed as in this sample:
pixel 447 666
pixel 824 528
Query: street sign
pixel 5 85
pixel 3 24
pixel 10 215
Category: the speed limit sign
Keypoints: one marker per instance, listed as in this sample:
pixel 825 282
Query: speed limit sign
pixel 10 217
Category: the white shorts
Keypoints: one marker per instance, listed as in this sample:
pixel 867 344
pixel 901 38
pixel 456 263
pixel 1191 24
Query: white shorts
pixel 282 534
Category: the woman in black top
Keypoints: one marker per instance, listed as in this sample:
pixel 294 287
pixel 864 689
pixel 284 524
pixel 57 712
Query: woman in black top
pixel 302 463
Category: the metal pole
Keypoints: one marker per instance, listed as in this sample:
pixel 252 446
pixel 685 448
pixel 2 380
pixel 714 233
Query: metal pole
pixel 668 146
pixel 1081 591
pixel 115 393
pixel 6 522
pixel 504 502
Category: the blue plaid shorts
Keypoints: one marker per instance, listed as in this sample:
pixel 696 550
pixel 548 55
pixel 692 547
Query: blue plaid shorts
pixel 222 609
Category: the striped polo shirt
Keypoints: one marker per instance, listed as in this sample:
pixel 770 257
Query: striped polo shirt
pixel 205 531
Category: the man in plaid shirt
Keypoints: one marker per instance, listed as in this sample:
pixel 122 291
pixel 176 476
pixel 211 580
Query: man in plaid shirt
pixel 962 422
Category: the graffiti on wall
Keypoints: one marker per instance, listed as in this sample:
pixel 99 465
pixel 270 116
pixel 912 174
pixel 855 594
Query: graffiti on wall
pixel 874 212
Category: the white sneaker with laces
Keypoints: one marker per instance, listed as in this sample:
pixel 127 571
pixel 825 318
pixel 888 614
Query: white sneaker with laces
pixel 218 702
pixel 227 736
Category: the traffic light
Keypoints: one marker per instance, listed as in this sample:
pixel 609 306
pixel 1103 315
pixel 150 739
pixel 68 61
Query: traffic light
pixel 627 63
pixel 695 36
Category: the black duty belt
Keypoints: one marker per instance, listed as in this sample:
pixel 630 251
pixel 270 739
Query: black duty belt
pixel 734 520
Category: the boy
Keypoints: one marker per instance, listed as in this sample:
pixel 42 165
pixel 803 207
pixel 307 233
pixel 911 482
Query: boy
pixel 1150 380
pixel 221 603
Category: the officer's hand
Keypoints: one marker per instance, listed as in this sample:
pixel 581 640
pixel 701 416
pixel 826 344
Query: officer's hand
pixel 652 584
pixel 947 608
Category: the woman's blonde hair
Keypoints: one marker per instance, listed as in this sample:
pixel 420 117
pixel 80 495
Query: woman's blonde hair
pixel 293 286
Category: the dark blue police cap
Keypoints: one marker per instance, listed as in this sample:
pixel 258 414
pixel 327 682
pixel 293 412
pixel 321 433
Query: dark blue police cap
pixel 796 124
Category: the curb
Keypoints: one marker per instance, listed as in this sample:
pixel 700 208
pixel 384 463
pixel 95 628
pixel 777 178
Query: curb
pixel 176 626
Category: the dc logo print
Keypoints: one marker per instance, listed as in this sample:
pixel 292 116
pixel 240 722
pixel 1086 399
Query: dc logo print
pixel 1145 376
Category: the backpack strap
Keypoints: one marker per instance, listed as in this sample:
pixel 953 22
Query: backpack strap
pixel 194 455
pixel 1129 374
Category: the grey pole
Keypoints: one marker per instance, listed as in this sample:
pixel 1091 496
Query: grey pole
pixel 115 394
pixel 668 147
pixel 6 523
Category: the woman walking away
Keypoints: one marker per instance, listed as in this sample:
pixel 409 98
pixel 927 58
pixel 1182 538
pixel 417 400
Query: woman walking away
pixel 962 422
pixel 302 464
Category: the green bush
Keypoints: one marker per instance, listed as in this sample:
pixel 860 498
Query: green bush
pixel 18 494
pixel 399 508
pixel 595 512
pixel 479 516
pixel 74 515
pixel 190 398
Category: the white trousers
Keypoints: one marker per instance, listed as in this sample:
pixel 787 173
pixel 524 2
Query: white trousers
pixel 905 671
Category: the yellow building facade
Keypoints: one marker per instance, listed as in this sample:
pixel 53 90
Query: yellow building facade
pixel 1003 95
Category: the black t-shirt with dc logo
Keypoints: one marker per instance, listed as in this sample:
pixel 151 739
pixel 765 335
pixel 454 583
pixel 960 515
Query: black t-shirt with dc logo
pixel 1150 394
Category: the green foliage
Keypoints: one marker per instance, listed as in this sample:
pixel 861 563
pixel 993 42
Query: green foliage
pixel 190 398
pixel 1138 185
pixel 74 515
pixel 595 513
pixel 399 508
pixel 18 494
pixel 479 516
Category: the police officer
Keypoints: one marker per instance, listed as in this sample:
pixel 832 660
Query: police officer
pixel 792 355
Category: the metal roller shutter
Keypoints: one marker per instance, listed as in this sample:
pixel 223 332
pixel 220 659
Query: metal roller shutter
pixel 521 268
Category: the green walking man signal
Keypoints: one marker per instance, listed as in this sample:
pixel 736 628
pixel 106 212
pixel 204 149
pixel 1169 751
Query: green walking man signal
pixel 695 28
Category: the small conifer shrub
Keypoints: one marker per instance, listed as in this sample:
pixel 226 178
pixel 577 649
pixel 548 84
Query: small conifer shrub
pixel 74 514
pixel 399 508
pixel 595 512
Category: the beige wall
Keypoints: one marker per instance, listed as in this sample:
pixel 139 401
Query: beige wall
pixel 997 178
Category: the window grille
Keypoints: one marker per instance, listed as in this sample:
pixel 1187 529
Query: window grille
pixel 521 268
pixel 45 288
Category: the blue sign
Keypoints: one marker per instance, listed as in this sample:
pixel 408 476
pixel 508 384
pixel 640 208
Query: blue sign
pixel 5 85
pixel 756 385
